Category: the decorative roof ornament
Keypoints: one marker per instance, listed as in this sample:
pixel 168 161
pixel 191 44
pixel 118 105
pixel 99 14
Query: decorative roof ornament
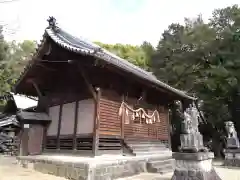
pixel 52 22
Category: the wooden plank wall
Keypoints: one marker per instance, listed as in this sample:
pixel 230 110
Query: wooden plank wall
pixel 110 122
pixel 35 140
pixel 163 129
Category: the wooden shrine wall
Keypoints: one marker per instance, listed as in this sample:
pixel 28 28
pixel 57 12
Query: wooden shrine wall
pixel 111 123
pixel 85 118
pixel 35 140
pixel 54 115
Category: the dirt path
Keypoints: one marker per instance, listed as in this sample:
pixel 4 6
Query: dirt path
pixel 10 170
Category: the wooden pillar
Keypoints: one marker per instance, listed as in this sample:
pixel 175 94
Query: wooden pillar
pixel 75 126
pixel 96 123
pixel 45 128
pixel 123 119
pixel 37 88
pixel 59 127
pixel 24 140
pixel 169 130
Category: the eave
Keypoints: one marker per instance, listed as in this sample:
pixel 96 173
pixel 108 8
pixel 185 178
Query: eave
pixel 83 47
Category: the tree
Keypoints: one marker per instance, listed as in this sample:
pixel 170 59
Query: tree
pixel 138 55
pixel 203 59
pixel 5 72
pixel 19 55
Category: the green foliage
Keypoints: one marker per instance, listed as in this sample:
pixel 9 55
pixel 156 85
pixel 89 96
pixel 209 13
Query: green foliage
pixel 203 59
pixel 13 58
pixel 138 55
pixel 19 55
pixel 4 71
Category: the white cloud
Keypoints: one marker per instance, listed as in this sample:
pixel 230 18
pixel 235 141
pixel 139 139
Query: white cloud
pixel 108 21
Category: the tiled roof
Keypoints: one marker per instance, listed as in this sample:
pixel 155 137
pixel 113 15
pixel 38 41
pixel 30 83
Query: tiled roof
pixel 82 46
pixel 8 120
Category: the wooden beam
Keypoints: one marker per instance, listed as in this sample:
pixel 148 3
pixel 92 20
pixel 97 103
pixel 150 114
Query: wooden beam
pixel 87 82
pixel 96 123
pixel 144 82
pixel 75 126
pixel 37 88
pixel 47 68
pixel 59 126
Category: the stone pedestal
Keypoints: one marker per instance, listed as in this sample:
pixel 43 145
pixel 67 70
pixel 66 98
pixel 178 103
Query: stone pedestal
pixel 191 142
pixel 232 157
pixel 233 143
pixel 194 166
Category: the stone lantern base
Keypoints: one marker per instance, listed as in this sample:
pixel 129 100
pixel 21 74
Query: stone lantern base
pixel 194 166
pixel 232 157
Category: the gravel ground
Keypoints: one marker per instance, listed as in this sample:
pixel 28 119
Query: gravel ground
pixel 9 170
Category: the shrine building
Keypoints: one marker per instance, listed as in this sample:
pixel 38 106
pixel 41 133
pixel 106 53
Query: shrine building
pixel 92 102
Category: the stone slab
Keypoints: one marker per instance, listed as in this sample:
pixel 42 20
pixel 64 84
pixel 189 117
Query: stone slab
pixel 233 142
pixel 98 168
pixel 199 156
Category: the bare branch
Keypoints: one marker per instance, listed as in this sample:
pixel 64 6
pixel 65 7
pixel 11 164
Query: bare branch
pixel 7 1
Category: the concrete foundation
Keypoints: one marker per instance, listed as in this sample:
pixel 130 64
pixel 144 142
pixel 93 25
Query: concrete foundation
pixel 194 166
pixel 106 167
pixel 232 157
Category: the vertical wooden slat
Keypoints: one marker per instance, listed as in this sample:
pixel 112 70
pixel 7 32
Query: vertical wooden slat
pixel 24 142
pixel 59 126
pixel 44 142
pixel 45 128
pixel 96 123
pixel 123 119
pixel 169 130
pixel 75 126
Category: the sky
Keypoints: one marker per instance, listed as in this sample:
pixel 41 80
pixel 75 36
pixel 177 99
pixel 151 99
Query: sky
pixel 108 21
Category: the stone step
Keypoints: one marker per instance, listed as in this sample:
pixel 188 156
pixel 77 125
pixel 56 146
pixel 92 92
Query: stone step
pixel 149 149
pixel 162 157
pixel 159 163
pixel 162 167
pixel 144 142
pixel 150 152
pixel 165 170
pixel 146 145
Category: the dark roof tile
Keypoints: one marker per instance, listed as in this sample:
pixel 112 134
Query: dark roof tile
pixel 82 46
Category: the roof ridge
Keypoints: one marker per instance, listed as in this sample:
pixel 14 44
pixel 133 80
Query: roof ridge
pixel 54 27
